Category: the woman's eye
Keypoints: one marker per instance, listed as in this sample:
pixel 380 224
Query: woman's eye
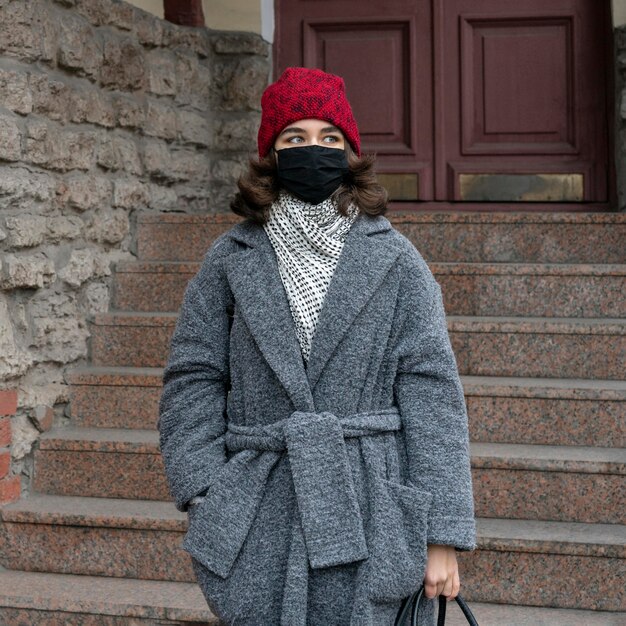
pixel 331 139
pixel 295 139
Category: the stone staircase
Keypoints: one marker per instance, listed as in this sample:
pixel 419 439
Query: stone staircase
pixel 537 318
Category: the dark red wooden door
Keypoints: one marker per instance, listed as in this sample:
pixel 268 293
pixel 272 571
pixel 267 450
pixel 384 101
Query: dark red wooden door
pixel 468 100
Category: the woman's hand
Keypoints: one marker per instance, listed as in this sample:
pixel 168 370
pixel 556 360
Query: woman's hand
pixel 442 572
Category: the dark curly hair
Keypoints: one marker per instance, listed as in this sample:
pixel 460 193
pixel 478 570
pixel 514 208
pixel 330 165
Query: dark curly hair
pixel 259 187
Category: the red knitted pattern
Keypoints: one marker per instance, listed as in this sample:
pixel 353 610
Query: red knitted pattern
pixel 303 93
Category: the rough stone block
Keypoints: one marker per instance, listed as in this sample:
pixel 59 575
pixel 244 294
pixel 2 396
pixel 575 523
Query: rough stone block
pixel 123 64
pixel 80 48
pixel 61 227
pixel 175 166
pixel 119 153
pixel 237 132
pixel 21 188
pixel 34 270
pixel 51 98
pixel 10 138
pixel 19 35
pixel 239 84
pixel 83 265
pixel 58 149
pixel 14 361
pixel 87 192
pixel 43 417
pixel 24 435
pixel 15 92
pixel 161 72
pixel 92 106
pixel 130 194
pixel 161 121
pixel 108 226
pixel 129 111
pixel 195 129
pixel 240 43
pixel 161 198
pixel 58 329
pixel 25 230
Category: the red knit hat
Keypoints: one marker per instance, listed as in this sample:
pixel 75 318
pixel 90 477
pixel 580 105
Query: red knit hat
pixel 302 93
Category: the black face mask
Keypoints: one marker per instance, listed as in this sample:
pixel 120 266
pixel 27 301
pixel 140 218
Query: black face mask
pixel 311 173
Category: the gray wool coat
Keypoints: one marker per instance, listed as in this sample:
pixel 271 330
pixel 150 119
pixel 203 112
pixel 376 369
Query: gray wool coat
pixel 324 481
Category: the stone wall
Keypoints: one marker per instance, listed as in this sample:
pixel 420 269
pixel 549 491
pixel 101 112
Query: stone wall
pixel 105 111
pixel 620 115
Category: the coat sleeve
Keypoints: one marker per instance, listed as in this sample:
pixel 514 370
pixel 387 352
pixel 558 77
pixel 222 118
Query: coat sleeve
pixel 430 398
pixel 192 407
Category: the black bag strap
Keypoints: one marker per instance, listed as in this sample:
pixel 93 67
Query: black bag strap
pixel 411 605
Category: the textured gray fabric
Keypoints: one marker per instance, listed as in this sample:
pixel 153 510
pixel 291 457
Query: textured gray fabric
pixel 324 481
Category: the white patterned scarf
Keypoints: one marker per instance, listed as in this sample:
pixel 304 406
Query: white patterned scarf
pixel 307 240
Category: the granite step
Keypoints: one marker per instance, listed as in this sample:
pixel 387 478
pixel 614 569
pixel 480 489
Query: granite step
pixel 517 561
pixel 539 347
pixel 69 600
pixel 494 237
pixel 138 539
pixel 484 346
pixel 550 564
pixel 549 411
pixel 520 289
pixel 114 397
pixel 501 409
pixel 563 483
pixel 47 599
pixel 488 614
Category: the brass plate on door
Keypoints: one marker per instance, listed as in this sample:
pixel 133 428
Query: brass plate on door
pixel 400 186
pixel 521 187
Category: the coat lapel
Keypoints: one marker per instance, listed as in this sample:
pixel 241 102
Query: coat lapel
pixel 258 290
pixel 363 264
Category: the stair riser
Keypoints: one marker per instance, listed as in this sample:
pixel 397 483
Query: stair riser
pixel 120 552
pixel 558 496
pixel 183 242
pixel 531 296
pixel 486 575
pixel 547 421
pixel 500 419
pixel 31 617
pixel 478 353
pixel 146 291
pixel 445 242
pixel 537 579
pixel 114 406
pixel 130 346
pixel 101 474
pixel 534 296
pixel 539 355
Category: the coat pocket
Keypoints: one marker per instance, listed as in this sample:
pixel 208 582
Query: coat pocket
pixel 220 523
pixel 399 518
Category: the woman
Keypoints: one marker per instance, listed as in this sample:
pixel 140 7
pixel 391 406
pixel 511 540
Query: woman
pixel 315 430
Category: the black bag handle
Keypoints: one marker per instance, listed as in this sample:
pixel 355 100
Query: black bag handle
pixel 411 605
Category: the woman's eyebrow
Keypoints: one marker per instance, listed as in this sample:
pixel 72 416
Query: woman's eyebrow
pixel 292 129
pixel 295 129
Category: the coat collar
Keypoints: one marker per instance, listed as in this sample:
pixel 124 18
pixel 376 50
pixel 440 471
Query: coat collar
pixel 255 281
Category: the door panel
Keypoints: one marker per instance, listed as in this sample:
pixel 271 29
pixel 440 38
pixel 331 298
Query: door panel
pixel 531 118
pixel 468 100
pixel 383 52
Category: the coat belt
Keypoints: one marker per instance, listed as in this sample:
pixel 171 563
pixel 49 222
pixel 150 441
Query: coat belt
pixel 315 443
